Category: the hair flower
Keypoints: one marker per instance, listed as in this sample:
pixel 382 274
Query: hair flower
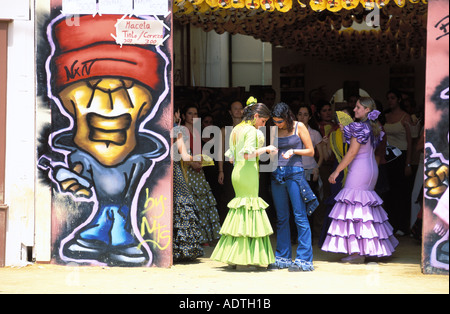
pixel 252 101
pixel 373 115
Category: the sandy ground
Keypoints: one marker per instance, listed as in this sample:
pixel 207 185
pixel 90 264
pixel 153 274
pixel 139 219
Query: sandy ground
pixel 400 274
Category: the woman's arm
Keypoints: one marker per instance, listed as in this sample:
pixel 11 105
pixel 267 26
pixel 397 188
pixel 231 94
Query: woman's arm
pixel 185 156
pixel 348 158
pixel 266 149
pixel 251 144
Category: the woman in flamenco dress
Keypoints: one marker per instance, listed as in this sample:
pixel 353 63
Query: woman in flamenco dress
pixel 245 240
pixel 360 226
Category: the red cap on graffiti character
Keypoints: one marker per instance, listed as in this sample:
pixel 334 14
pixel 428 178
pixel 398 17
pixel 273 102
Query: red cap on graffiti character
pixel 89 51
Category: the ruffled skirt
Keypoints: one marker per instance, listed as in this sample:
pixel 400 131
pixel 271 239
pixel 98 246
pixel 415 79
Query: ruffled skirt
pixel 186 230
pixel 359 225
pixel 245 234
pixel 207 213
pixel 187 236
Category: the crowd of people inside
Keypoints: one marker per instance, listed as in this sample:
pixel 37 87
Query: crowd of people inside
pixel 345 180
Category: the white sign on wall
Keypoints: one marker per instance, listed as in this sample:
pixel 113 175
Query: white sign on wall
pixel 15 10
pixel 136 7
pixel 157 7
pixel 115 6
pixel 79 6
pixel 140 32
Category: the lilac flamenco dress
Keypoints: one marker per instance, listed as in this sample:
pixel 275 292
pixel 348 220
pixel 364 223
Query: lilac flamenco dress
pixel 359 223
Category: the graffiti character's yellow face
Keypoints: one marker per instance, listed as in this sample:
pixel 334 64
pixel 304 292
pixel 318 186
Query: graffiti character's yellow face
pixel 106 112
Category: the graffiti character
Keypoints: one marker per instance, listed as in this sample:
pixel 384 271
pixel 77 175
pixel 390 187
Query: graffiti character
pixel 436 185
pixel 108 92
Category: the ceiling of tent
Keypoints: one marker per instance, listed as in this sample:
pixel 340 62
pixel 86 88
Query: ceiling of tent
pixel 346 31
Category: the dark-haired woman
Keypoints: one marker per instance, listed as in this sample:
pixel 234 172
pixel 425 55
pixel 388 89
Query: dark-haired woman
pixel 397 128
pixel 245 232
pixel 290 188
pixel 196 181
pixel 324 117
pixel 311 166
pixel 186 230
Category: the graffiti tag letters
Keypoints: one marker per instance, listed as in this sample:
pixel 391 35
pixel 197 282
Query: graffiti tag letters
pixel 152 228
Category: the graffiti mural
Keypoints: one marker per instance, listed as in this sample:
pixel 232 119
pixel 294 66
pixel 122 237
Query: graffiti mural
pixel 435 257
pixel 107 80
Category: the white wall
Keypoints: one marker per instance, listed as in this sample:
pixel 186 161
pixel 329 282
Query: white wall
pixel 209 58
pixel 20 139
pixel 251 62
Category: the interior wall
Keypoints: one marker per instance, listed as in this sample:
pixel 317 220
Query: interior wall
pixel 375 79
pixel 209 58
pixel 220 60
pixel 256 63
pixel 251 62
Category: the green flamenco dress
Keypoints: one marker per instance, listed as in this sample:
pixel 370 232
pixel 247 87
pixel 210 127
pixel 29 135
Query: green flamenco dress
pixel 245 232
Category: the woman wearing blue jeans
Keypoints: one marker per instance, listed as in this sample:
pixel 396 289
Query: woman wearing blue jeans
pixel 290 189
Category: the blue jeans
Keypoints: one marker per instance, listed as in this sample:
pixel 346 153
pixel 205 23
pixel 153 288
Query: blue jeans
pixel 110 226
pixel 286 185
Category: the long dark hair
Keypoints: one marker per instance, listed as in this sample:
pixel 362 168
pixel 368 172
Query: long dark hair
pixel 257 108
pixel 319 105
pixel 283 111
pixel 397 94
pixel 312 123
pixel 185 109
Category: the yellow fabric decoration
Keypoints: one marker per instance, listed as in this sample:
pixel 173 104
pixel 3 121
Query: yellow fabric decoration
pixel 196 2
pixel 238 4
pixel 225 4
pixel 283 5
pixel 334 5
pixel 318 5
pixel 368 5
pixel 267 5
pixel 184 170
pixel 213 3
pixel 252 4
pixel 382 3
pixel 251 101
pixel 343 118
pixel 349 4
pixel 400 3
pixel 202 8
pixel 339 148
pixel 205 159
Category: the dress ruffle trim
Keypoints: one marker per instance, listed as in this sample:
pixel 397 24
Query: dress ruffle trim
pixel 249 203
pixel 363 197
pixel 246 223
pixel 357 212
pixel 186 242
pixel 244 251
pixel 362 132
pixel 366 247
pixel 360 230
pixel 359 225
pixel 359 130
